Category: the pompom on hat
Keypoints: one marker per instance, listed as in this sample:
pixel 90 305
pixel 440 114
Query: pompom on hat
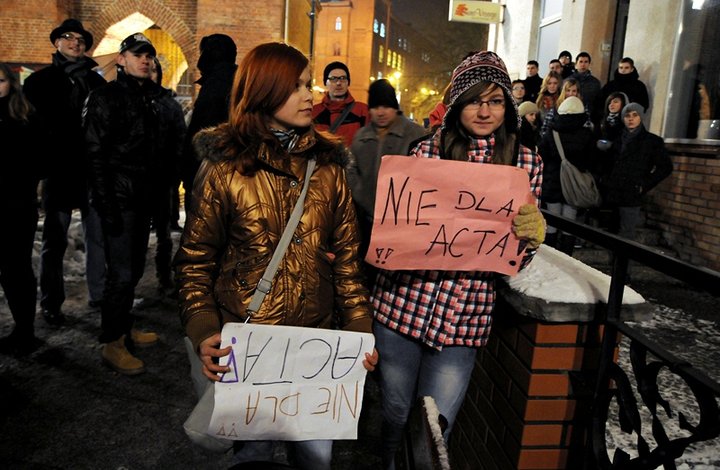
pixel 483 66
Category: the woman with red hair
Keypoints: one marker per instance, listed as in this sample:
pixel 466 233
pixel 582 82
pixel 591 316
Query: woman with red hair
pixel 249 181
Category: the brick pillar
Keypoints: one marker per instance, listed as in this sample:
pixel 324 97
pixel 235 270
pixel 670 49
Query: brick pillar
pixel 528 402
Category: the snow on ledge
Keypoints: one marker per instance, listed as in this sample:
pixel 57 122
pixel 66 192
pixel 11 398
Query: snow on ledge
pixel 554 276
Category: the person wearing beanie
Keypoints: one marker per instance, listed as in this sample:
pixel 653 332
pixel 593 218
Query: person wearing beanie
pixel 640 162
pixel 389 133
pixel 530 127
pixel 132 151
pixel 58 92
pixel 568 67
pixel 430 324
pixel 579 145
pixel 217 70
pixel 338 113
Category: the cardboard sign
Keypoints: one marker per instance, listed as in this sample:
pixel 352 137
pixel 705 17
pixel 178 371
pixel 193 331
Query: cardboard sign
pixel 447 215
pixel 290 383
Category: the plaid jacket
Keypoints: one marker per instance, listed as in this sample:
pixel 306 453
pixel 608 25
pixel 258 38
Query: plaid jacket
pixel 447 308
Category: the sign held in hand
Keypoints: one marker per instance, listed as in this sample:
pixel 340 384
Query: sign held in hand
pixel 290 383
pixel 447 215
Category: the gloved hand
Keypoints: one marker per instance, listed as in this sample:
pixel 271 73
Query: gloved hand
pixel 529 224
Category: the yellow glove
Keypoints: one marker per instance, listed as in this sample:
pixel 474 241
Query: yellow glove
pixel 529 224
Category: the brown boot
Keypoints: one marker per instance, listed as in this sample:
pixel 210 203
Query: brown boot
pixel 143 338
pixel 116 355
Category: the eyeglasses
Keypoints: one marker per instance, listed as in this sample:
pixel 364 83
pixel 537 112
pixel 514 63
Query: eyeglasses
pixel 341 78
pixel 70 37
pixel 494 103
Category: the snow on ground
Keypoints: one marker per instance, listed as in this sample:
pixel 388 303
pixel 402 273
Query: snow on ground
pixel 559 278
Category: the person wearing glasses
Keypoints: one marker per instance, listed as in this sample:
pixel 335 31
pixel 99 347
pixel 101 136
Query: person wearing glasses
pixel 58 92
pixel 338 112
pixel 429 324
pixel 132 146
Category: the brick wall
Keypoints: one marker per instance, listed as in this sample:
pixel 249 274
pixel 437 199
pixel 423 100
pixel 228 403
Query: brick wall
pixel 529 396
pixel 26 24
pixel 686 207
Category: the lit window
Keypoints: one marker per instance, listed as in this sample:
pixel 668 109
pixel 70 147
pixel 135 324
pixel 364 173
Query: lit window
pixel 394 60
pixel 376 26
pixel 382 30
pixel 381 53
pixel 389 58
pixel 693 103
pixel 399 62
pixel 338 24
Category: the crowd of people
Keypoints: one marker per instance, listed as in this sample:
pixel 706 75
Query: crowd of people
pixel 594 131
pixel 118 150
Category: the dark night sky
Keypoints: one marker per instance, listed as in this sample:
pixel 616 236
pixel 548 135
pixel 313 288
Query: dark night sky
pixel 430 18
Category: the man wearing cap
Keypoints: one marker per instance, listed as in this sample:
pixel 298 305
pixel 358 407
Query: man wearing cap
pixel 125 132
pixel 338 112
pixel 389 133
pixel 58 92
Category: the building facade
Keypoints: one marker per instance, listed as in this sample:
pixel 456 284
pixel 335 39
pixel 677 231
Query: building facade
pixel 673 45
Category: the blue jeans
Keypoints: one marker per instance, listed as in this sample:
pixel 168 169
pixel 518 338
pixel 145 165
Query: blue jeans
pixel 309 455
pixel 410 370
pixel 125 255
pixel 54 244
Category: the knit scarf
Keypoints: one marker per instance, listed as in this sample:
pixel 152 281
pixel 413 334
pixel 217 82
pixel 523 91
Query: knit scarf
pixel 612 119
pixel 77 72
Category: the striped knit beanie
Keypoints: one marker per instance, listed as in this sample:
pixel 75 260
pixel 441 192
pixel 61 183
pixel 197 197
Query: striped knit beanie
pixel 484 66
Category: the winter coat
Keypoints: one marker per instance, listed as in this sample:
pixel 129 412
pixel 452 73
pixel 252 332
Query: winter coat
pixel 590 90
pixel 629 84
pixel 532 87
pixel 579 146
pixel 366 153
pixel 637 167
pixel 58 92
pixel 234 228
pixel 130 144
pixel 210 109
pixel 327 111
pixel 20 163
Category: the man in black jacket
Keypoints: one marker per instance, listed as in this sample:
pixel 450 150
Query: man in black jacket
pixel 626 80
pixel 125 132
pixel 58 93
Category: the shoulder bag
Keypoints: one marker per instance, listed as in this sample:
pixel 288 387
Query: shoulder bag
pixel 578 187
pixel 197 423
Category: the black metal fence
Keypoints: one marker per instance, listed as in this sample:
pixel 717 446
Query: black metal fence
pixel 647 359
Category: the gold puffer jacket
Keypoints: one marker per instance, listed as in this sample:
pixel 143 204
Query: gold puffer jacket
pixel 237 221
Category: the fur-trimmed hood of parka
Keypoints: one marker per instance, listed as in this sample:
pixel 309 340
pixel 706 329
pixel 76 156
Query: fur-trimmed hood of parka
pixel 233 228
pixel 217 144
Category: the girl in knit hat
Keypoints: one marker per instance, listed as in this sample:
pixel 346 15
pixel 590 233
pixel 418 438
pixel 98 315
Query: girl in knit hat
pixel 429 324
pixel 530 126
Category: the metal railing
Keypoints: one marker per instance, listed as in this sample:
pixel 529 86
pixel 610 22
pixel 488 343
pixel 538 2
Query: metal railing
pixel 647 358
